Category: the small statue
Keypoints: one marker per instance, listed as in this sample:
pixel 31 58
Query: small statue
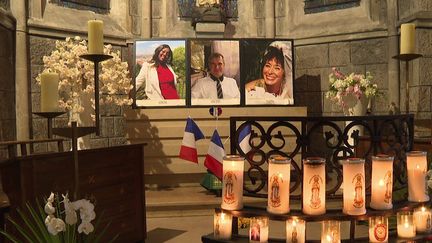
pixel 208 11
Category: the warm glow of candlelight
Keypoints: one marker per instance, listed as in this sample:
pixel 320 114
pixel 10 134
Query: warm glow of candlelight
pixel 381 183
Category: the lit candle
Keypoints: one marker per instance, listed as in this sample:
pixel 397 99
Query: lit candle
pixel 278 185
pixel 378 229
pixel 405 225
pixel 95 37
pixel 407 39
pixel 258 229
pixel 422 219
pixel 232 182
pixel 417 167
pixel 49 92
pixel 222 225
pixel 330 231
pixel 382 182
pixel 314 186
pixel 354 195
pixel 295 230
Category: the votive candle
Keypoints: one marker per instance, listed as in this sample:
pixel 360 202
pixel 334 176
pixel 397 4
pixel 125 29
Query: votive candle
pixel 314 186
pixel 422 219
pixel 232 182
pixel 378 229
pixel 382 182
pixel 417 168
pixel 95 37
pixel 222 225
pixel 295 230
pixel 278 185
pixel 330 231
pixel 49 92
pixel 405 225
pixel 407 39
pixel 354 194
pixel 258 229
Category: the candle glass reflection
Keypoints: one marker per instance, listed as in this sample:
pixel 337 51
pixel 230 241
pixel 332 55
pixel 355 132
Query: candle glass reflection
pixel 232 182
pixel 382 182
pixel 278 185
pixel 314 188
pixel 222 225
pixel 405 225
pixel 417 168
pixel 258 229
pixel 378 229
pixel 295 230
pixel 330 231
pixel 354 195
pixel 422 219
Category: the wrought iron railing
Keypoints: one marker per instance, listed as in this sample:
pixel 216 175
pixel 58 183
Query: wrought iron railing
pixel 333 138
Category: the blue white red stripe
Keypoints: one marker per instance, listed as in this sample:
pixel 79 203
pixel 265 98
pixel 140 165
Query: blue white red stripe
pixel 215 155
pixel 192 134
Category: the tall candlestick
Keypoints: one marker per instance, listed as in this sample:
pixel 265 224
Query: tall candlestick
pixel 232 182
pixel 405 225
pixel 295 230
pixel 95 37
pixel 354 195
pixel 258 230
pixel 422 219
pixel 407 39
pixel 222 226
pixel 378 229
pixel 314 188
pixel 49 92
pixel 330 231
pixel 382 182
pixel 417 168
pixel 278 185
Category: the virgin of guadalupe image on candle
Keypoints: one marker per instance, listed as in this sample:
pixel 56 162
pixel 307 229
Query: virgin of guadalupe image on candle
pixel 255 232
pixel 315 201
pixel 274 194
pixel 380 232
pixel 389 187
pixel 294 235
pixel 229 196
pixel 358 188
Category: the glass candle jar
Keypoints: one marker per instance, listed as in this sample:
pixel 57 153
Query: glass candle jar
pixel 405 225
pixel 232 182
pixel 422 219
pixel 222 225
pixel 295 230
pixel 354 195
pixel 314 186
pixel 382 182
pixel 258 229
pixel 330 231
pixel 417 168
pixel 278 185
pixel 378 229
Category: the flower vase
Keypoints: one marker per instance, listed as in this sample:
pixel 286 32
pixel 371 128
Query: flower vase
pixel 354 107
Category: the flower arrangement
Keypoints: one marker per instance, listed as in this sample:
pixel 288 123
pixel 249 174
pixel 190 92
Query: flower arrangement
pixel 57 222
pixel 77 75
pixel 357 85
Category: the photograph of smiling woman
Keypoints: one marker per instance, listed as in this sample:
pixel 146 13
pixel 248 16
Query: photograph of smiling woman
pixel 273 83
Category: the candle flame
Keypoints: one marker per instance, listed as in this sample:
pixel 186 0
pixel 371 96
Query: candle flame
pixel 418 166
pixel 406 225
pixel 423 209
pixel 294 223
pixel 222 216
pixel 381 182
pixel 329 238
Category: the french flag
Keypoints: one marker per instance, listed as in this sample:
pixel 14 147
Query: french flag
pixel 215 154
pixel 244 138
pixel 188 150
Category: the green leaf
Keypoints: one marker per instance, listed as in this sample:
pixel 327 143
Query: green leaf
pixel 9 236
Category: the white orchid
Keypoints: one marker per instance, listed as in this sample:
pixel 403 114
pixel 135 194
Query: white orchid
pixel 55 226
pixel 85 227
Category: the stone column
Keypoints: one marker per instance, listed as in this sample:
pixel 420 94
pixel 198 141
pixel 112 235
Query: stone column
pixel 393 50
pixel 146 27
pixel 19 11
pixel 269 18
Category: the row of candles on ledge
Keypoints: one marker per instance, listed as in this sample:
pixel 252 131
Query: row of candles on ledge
pixel 314 198
pixel 408 224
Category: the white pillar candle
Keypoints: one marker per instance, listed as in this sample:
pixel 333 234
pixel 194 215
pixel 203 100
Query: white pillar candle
pixel 258 229
pixel 422 219
pixel 330 231
pixel 405 225
pixel 49 92
pixel 354 194
pixel 232 182
pixel 407 39
pixel 222 225
pixel 95 37
pixel 314 189
pixel 279 185
pixel 295 230
pixel 382 182
pixel 417 168
pixel 378 229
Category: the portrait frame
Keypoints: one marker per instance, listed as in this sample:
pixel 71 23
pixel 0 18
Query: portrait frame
pixel 148 90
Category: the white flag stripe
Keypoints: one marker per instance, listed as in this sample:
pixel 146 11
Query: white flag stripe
pixel 216 152
pixel 189 140
pixel 244 144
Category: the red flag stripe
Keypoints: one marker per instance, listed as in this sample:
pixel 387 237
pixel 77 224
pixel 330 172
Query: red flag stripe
pixel 214 166
pixel 189 154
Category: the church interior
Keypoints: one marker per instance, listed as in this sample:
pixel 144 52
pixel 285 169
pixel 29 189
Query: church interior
pixel 126 120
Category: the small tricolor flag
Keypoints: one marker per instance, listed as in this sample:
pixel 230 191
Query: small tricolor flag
pixel 244 138
pixel 215 155
pixel 188 150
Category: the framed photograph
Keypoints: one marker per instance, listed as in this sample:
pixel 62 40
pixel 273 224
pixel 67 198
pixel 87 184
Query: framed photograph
pixel 214 72
pixel 267 71
pixel 160 73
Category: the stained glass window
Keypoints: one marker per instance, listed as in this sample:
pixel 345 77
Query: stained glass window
pixel 316 6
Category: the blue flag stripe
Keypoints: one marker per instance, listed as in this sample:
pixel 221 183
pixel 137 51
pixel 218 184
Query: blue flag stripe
pixel 192 127
pixel 244 132
pixel 216 139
